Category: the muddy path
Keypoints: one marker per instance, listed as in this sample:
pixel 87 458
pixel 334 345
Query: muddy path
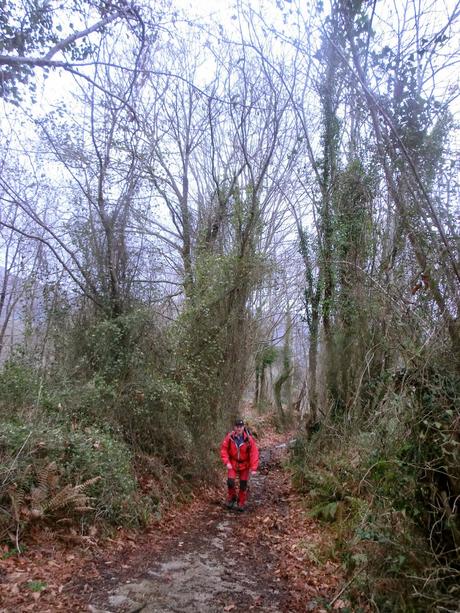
pixel 220 561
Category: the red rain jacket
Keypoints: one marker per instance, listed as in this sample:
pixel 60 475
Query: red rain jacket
pixel 244 457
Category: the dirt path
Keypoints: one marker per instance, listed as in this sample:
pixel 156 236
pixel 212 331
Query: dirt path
pixel 199 558
pixel 218 564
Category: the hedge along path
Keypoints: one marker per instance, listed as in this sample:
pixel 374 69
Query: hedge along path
pixel 220 560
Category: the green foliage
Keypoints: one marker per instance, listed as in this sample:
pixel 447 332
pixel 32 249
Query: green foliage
pixel 211 332
pixel 36 586
pixel 128 375
pixel 23 387
pixel 80 455
pixel 114 348
pixel 14 551
pixel 355 187
pixel 267 356
pixel 437 448
pixel 326 511
pixel 153 414
pixel 19 384
pixel 390 491
pixel 117 387
pixel 90 402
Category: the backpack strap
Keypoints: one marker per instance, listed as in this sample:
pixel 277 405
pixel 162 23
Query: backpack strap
pixel 249 435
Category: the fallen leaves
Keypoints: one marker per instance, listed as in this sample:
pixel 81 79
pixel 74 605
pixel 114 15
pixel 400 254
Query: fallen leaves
pixel 292 536
pixel 292 542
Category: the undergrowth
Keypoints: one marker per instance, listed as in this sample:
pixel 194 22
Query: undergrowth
pixel 390 485
pixel 65 457
pixel 112 410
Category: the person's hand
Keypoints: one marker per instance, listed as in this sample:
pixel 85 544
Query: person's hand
pixel 254 473
pixel 229 466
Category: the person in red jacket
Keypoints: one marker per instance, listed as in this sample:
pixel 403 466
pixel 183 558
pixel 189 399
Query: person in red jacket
pixel 240 455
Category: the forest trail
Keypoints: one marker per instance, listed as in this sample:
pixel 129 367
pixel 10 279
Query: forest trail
pixel 199 558
pixel 223 560
pixel 219 563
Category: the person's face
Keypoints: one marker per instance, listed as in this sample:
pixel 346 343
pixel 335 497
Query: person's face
pixel 239 429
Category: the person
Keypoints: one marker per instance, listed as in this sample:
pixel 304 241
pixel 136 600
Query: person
pixel 240 455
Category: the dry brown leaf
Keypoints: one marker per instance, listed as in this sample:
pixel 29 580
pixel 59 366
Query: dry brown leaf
pixel 339 604
pixel 16 576
pixel 267 519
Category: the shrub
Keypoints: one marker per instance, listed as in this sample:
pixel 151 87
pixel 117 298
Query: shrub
pixel 89 402
pixel 79 456
pixel 153 414
pixel 115 349
pixel 19 384
pixel 391 492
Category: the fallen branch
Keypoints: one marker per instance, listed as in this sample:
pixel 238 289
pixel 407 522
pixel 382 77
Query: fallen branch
pixel 345 587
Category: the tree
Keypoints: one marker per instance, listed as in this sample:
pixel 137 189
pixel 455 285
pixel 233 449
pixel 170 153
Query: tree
pixel 33 33
pixel 404 147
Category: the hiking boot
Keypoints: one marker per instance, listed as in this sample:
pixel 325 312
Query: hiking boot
pixel 229 504
pixel 242 497
pixel 241 507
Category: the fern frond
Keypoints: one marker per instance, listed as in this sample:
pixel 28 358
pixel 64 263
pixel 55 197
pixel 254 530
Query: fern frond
pixel 53 481
pixel 71 496
pixel 88 482
pixel 42 474
pixel 61 499
pixel 17 496
pixel 38 495
pixel 41 491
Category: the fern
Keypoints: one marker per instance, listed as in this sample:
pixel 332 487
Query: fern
pixel 71 496
pixel 48 479
pixel 38 495
pixel 17 498
pixel 45 500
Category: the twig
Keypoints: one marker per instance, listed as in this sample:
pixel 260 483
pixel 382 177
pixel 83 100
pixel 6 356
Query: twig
pixel 14 461
pixel 18 549
pixel 346 586
pixel 365 475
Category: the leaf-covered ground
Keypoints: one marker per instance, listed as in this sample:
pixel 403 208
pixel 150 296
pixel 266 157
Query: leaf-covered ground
pixel 199 557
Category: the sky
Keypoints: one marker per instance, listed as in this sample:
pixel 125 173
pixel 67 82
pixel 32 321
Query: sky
pixel 52 90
